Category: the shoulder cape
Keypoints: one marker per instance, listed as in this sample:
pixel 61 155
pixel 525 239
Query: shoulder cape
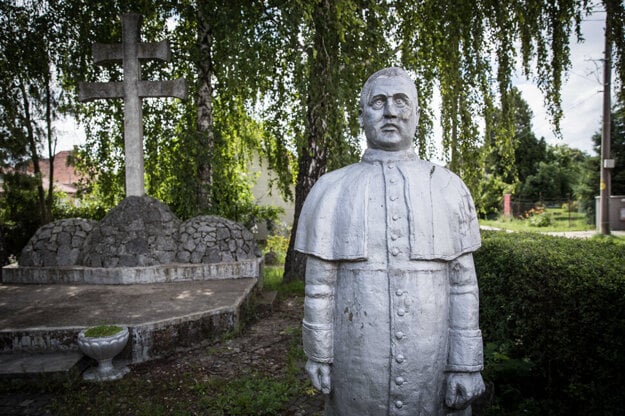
pixel 442 218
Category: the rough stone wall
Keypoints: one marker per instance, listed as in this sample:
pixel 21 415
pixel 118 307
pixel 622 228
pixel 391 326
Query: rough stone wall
pixel 209 239
pixel 57 244
pixel 140 231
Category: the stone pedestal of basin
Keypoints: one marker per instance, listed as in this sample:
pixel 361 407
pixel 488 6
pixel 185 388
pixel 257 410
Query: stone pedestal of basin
pixel 104 349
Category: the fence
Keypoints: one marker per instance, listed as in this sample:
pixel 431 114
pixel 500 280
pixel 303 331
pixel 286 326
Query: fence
pixel 519 207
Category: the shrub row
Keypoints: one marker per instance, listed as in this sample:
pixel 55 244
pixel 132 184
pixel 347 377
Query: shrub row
pixel 553 318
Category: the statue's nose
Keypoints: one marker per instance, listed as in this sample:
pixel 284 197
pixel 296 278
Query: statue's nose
pixel 390 110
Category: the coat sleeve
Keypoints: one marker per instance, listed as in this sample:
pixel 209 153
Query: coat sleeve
pixel 317 327
pixel 465 338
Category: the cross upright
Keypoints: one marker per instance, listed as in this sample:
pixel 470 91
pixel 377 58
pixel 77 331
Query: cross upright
pixel 132 89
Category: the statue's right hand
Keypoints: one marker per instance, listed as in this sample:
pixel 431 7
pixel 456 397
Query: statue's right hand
pixel 319 374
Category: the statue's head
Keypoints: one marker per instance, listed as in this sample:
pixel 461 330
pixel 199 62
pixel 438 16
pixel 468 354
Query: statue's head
pixel 389 110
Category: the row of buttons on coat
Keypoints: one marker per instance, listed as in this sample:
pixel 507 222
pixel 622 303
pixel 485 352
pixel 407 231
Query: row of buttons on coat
pixel 393 191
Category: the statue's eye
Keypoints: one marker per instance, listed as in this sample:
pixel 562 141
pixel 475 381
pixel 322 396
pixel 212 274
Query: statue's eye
pixel 401 102
pixel 378 102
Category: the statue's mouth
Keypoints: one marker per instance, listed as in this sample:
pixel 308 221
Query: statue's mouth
pixel 389 127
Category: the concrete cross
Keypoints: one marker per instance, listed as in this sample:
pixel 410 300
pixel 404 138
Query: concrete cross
pixel 132 90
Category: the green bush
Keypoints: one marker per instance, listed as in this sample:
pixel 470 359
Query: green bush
pixel 540 220
pixel 553 318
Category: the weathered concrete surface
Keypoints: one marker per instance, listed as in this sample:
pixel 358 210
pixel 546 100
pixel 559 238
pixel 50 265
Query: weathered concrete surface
pixel 61 363
pixel 168 273
pixel 161 317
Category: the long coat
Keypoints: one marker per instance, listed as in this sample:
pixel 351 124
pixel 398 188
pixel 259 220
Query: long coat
pixel 393 235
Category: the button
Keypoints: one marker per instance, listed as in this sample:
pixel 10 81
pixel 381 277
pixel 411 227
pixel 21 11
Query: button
pixel 393 180
pixel 400 358
pixel 391 165
pixel 395 217
pixel 399 404
pixel 399 381
pixel 401 311
pixel 394 237
pixel 393 198
pixel 395 251
pixel 399 335
pixel 399 292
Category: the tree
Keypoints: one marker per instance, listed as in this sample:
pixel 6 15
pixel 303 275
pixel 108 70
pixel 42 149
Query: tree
pixel 294 68
pixel 197 151
pixel 556 178
pixel 345 38
pixel 588 187
pixel 28 97
pixel 503 173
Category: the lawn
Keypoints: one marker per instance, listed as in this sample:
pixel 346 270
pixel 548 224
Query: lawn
pixel 549 220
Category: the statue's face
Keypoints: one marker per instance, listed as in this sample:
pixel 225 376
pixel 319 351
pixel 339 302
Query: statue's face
pixel 389 116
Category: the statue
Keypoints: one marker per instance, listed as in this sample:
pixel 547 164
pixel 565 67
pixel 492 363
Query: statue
pixel 391 310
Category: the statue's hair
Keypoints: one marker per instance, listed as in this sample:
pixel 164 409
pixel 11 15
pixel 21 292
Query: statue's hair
pixel 385 73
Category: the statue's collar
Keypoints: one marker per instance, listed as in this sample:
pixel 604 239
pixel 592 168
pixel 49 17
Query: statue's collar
pixel 376 155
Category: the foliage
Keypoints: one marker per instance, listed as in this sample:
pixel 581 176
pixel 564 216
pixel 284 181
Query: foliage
pixel 277 244
pixel 273 281
pixel 557 177
pixel 102 331
pixel 540 220
pixel 19 202
pixel 254 395
pixel 562 220
pixel 488 199
pixel 557 305
pixel 30 46
pixel 588 186
pixel 282 78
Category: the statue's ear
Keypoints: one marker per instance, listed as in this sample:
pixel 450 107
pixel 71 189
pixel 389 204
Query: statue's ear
pixel 360 117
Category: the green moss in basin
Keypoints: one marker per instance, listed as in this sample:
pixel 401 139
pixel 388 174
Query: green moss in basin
pixel 102 331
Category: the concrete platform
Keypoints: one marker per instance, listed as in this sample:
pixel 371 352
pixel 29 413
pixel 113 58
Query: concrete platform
pixel 161 317
pixel 164 273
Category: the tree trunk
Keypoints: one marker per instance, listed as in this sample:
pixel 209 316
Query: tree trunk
pixel 205 132
pixel 51 152
pixel 313 157
pixel 32 144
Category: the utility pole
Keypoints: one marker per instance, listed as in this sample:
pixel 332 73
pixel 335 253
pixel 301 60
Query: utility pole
pixel 606 162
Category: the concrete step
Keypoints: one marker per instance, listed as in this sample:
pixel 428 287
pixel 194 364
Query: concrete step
pixel 56 364
pixel 161 318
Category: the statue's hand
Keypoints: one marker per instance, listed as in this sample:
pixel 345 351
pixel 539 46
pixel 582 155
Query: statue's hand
pixel 319 374
pixel 463 388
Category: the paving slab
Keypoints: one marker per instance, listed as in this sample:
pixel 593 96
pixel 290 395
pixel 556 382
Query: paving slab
pixel 161 317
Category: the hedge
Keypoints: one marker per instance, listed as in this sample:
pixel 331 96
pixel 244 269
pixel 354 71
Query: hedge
pixel 553 319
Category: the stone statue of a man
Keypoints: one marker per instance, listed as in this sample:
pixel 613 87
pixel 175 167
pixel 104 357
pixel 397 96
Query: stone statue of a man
pixel 391 311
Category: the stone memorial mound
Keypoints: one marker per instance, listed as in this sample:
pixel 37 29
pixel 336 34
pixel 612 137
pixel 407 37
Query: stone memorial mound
pixel 140 231
pixel 209 239
pixel 59 243
pixel 139 241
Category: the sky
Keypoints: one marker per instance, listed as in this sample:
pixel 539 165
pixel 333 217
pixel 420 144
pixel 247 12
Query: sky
pixel 582 98
pixel 582 92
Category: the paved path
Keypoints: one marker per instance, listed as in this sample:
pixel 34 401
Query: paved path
pixel 568 234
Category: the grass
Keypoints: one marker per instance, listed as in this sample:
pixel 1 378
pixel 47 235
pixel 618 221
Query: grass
pixel 273 281
pixel 102 331
pixel 555 219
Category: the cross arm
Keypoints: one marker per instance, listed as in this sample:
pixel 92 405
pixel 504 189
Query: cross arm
pixel 88 91
pixel 155 50
pixel 176 88
pixel 104 53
